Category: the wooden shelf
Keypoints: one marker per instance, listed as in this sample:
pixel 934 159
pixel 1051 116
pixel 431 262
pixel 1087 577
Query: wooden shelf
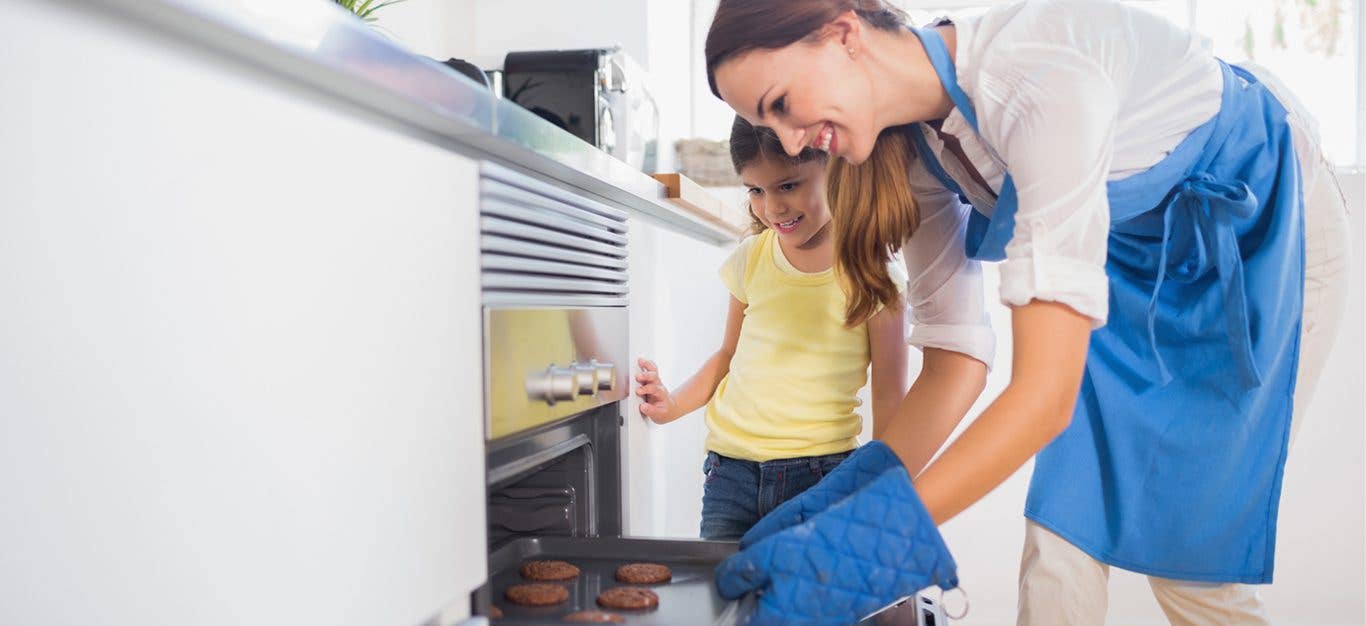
pixel 693 198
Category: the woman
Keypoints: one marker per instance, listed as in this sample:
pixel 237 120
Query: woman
pixel 1172 245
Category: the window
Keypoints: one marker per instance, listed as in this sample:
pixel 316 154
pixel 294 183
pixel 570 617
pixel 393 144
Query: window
pixel 1311 45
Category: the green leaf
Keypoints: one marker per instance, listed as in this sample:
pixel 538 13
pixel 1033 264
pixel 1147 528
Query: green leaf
pixel 366 8
pixel 385 4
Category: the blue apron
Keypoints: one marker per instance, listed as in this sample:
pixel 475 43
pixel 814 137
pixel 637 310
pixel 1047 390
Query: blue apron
pixel 1173 461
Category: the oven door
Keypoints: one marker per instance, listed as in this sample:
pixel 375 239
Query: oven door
pixel 546 364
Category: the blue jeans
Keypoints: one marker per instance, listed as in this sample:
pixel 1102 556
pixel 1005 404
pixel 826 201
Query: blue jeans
pixel 737 493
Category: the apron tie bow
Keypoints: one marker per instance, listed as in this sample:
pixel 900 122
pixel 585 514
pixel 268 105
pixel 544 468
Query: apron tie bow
pixel 1206 208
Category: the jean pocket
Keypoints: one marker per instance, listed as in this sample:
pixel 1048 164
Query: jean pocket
pixel 709 466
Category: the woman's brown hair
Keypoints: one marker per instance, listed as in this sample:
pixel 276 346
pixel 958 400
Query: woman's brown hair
pixel 750 144
pixel 873 214
pixel 743 25
pixel 871 204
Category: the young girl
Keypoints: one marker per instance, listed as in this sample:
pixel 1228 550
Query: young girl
pixel 781 391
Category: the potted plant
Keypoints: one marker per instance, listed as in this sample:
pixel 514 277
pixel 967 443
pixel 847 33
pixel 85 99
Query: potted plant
pixel 365 9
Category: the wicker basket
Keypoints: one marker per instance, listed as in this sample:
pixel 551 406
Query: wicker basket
pixel 707 162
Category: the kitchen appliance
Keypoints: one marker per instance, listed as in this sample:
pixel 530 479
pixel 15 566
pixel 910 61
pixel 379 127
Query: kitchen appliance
pixel 553 272
pixel 556 362
pixel 469 70
pixel 598 94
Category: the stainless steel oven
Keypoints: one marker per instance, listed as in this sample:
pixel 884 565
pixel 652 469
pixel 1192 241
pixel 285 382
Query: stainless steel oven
pixel 557 365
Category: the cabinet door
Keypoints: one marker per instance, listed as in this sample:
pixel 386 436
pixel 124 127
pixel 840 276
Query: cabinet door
pixel 678 317
pixel 239 344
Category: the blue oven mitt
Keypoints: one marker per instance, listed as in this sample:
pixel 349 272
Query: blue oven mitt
pixel 858 469
pixel 869 550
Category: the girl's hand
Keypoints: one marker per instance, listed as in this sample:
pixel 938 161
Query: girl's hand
pixel 655 401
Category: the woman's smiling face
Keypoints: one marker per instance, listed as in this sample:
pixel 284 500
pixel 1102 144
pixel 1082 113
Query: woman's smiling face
pixel 811 93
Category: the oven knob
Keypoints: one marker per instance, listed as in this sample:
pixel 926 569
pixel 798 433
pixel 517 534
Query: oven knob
pixel 584 382
pixel 592 377
pixel 552 385
pixel 606 374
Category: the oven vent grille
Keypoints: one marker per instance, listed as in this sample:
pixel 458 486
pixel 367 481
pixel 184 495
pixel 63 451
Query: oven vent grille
pixel 544 245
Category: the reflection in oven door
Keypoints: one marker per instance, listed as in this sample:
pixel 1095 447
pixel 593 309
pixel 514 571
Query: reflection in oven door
pixel 545 364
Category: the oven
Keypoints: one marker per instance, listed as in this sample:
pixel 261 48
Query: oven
pixel 556 374
pixel 557 367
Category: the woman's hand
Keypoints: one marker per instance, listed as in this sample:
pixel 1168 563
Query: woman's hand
pixel 656 402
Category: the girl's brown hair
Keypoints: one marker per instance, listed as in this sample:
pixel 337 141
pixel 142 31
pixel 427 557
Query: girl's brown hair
pixel 873 213
pixel 871 204
pixel 750 144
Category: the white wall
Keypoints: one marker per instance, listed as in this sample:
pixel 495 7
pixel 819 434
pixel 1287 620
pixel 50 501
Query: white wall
pixel 485 30
pixel 711 118
pixel 436 28
pixel 239 345
pixel 653 32
pixel 670 61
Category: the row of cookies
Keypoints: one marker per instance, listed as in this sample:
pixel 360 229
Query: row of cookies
pixel 545 592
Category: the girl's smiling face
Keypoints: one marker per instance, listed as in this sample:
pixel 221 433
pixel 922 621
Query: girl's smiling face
pixel 789 198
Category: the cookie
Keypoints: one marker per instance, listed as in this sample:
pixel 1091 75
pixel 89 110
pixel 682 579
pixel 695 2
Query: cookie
pixel 644 573
pixel 549 570
pixel 594 617
pixel 628 598
pixel 537 594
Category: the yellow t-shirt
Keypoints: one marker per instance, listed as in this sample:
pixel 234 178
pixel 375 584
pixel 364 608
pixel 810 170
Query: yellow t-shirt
pixel 794 379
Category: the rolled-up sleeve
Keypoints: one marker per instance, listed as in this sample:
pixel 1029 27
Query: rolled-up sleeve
pixel 945 293
pixel 1052 112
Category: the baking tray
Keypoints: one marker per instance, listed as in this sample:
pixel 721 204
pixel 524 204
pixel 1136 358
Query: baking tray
pixel 690 599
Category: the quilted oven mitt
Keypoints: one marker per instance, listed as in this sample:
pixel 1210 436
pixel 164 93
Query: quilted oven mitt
pixel 858 469
pixel 869 550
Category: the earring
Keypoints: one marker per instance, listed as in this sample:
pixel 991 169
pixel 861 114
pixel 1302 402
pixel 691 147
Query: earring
pixel 851 53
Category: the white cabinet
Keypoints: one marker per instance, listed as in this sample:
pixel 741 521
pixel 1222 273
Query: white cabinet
pixel 678 317
pixel 239 344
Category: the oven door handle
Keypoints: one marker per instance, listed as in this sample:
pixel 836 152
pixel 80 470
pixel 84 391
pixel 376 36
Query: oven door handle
pixel 537 458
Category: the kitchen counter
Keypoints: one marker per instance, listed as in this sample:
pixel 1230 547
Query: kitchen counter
pixel 324 48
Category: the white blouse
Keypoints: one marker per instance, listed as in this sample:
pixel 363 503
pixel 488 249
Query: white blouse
pixel 1071 94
